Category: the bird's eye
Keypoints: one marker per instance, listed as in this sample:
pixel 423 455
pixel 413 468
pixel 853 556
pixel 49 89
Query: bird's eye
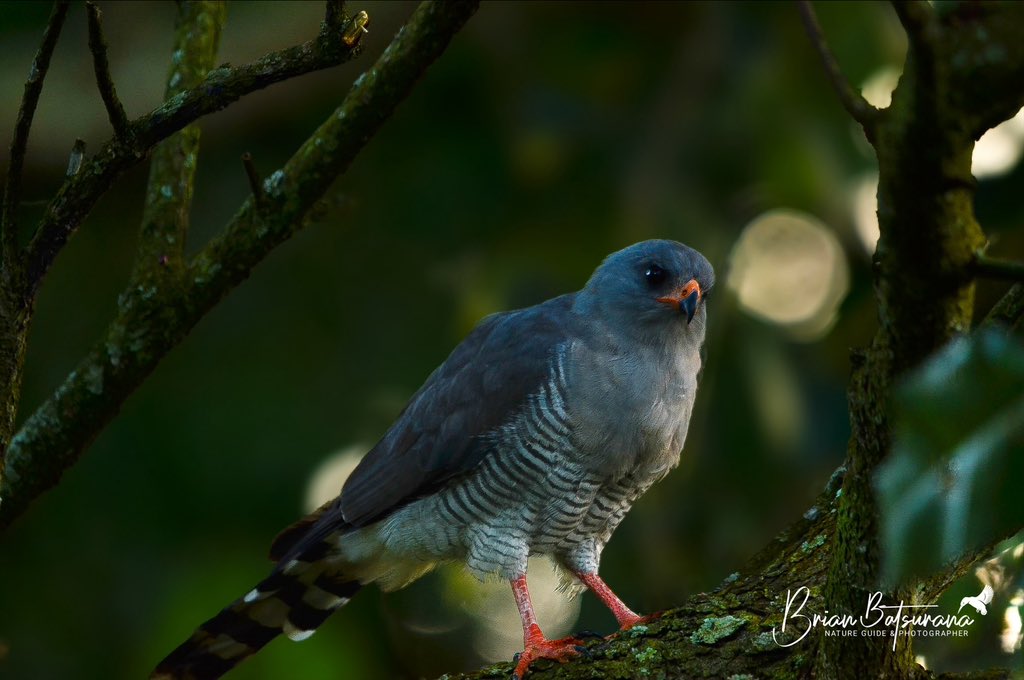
pixel 655 275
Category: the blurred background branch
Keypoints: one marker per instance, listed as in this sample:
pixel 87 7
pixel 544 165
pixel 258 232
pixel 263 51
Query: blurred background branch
pixel 16 160
pixel 154 317
pixel 172 169
pixel 15 310
pixel 852 100
pixel 1009 310
pixel 98 47
pixel 988 267
pixel 220 88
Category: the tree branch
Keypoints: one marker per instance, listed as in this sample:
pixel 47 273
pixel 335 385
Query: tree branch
pixel 221 87
pixel 165 218
pixel 105 83
pixel 854 103
pixel 1009 310
pixel 987 267
pixel 334 16
pixel 987 38
pixel 721 634
pixel 16 161
pixel 255 183
pixel 929 237
pixel 918 20
pixel 151 320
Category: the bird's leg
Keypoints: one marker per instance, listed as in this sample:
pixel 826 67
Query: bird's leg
pixel 626 617
pixel 535 645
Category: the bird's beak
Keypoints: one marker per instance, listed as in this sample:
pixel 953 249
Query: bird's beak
pixel 685 298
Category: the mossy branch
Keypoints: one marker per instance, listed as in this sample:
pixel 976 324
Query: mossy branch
pixel 104 81
pixel 721 634
pixel 26 112
pixel 15 309
pixel 220 88
pixel 153 318
pixel 929 237
pixel 165 218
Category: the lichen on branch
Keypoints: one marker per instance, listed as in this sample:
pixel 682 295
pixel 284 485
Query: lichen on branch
pixel 153 317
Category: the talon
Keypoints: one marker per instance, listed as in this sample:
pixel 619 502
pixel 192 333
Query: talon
pixel 540 648
pixel 588 635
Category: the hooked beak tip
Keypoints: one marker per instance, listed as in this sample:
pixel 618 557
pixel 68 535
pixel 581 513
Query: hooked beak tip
pixel 689 305
pixel 685 299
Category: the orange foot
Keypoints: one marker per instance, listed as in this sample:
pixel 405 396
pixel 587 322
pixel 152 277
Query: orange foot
pixel 540 648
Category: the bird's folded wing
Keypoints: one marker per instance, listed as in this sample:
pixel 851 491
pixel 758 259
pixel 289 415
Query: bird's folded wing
pixel 439 434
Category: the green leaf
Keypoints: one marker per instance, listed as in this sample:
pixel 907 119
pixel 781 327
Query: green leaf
pixel 955 478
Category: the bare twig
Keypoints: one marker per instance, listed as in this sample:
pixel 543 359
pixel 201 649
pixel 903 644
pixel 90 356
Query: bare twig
pixel 75 159
pixel 1009 310
pixel 105 83
pixel 154 319
pixel 987 267
pixel 918 20
pixel 255 183
pixel 221 87
pixel 854 103
pixel 165 218
pixel 29 100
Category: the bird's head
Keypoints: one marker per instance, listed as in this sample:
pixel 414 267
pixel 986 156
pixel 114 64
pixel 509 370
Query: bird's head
pixel 651 284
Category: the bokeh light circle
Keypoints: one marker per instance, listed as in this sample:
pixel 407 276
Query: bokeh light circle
pixel 788 268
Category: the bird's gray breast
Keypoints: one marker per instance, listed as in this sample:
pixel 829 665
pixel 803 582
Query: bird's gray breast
pixel 631 405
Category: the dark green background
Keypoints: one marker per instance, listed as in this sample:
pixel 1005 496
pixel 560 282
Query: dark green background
pixel 546 137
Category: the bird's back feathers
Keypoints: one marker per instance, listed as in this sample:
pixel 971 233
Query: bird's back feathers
pixel 438 435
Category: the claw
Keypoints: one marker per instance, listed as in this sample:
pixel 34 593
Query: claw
pixel 642 620
pixel 540 648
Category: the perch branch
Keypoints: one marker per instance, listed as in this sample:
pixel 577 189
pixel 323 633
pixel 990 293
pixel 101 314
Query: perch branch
pixel 151 320
pixel 29 100
pixel 854 103
pixel 165 217
pixel 221 87
pixel 104 81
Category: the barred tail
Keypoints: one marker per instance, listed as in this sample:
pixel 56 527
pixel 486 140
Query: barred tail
pixel 295 599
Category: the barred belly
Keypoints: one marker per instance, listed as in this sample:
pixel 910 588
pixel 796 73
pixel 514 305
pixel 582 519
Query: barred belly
pixel 530 494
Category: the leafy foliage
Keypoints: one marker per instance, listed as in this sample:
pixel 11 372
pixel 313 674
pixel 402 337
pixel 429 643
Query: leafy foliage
pixel 954 479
